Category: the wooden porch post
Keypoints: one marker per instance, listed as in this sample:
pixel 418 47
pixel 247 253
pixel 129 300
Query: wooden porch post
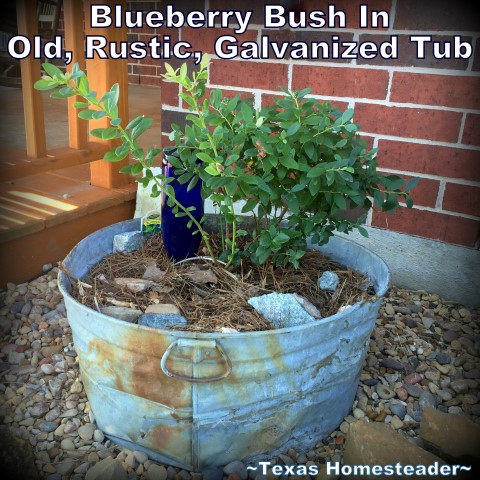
pixel 74 39
pixel 30 72
pixel 102 74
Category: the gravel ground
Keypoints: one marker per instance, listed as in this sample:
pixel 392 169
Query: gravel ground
pixel 423 352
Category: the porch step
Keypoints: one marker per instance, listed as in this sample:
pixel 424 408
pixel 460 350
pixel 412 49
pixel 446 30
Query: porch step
pixel 43 216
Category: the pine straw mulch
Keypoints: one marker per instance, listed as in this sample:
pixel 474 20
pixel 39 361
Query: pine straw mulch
pixel 222 302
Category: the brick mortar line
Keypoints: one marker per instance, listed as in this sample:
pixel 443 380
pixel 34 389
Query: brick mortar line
pixel 462 126
pixel 441 194
pixel 370 101
pixel 421 141
pixel 392 15
pixel 430 176
pixel 349 64
pixel 444 212
pixel 336 64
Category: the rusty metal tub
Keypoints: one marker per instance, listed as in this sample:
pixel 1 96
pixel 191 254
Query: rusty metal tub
pixel 196 400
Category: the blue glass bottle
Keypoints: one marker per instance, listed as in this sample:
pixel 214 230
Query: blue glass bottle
pixel 179 241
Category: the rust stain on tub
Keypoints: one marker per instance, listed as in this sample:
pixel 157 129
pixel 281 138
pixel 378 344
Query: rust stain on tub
pixel 101 355
pixel 147 378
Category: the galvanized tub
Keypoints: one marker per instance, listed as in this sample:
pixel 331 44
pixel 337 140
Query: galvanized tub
pixel 195 400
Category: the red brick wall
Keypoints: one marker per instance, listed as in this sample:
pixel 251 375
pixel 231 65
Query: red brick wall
pixel 422 114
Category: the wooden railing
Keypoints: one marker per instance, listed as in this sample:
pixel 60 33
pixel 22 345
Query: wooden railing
pixel 101 73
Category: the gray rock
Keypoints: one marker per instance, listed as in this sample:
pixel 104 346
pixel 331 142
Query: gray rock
pixel 156 472
pixel 281 309
pixel 449 336
pixel 473 374
pixel 309 307
pixel 48 427
pixel 17 307
pixel 415 308
pixel 162 308
pixel 39 410
pixel 392 363
pixel 128 241
pixel 161 320
pixel 56 385
pixel 213 473
pixel 427 322
pixel 385 392
pixel 122 313
pixel 328 281
pixel 462 386
pixel 413 390
pixel 399 410
pixel 5 325
pixel 443 358
pixel 107 469
pixel 427 399
pixel 236 467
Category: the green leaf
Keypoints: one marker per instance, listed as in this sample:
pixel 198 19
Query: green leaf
pixel 113 98
pixel 81 104
pixel 205 157
pixel 143 126
pixel 86 114
pixel 212 170
pixel 137 169
pixel 116 121
pixel 412 183
pixel 98 114
pixel 363 232
pixel 111 156
pixel 52 70
pixel 318 170
pixel 110 133
pixel 97 132
pixel 61 95
pixel 347 115
pixel 288 162
pixel 378 198
pixel 83 86
pixel 292 129
pixel 43 84
pixel 298 188
pixel 134 122
pixel 309 149
pixel 340 201
pixel 250 205
pixel 126 169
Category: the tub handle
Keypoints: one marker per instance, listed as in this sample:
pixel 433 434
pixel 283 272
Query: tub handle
pixel 198 350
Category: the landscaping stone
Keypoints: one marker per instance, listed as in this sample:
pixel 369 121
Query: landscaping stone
pixel 238 468
pixel 328 281
pixel 107 469
pixel 128 241
pixel 163 308
pixel 366 444
pixel 16 455
pixel 453 435
pixel 281 309
pixel 161 320
pixel 122 313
